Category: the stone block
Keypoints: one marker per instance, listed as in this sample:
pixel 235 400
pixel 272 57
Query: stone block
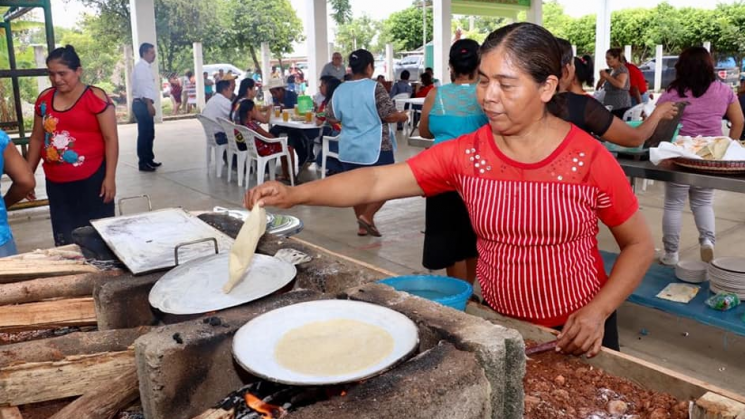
pixel 186 368
pixel 442 382
pixel 499 350
pixel 122 302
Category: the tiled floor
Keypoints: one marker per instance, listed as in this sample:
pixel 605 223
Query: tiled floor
pixel 183 181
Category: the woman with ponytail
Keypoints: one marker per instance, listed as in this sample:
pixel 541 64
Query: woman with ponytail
pixel 535 187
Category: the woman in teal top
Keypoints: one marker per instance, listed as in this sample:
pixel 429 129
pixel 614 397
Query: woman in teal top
pixel 449 112
pixel 12 164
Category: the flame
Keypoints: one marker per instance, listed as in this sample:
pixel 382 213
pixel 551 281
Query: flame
pixel 343 393
pixel 266 410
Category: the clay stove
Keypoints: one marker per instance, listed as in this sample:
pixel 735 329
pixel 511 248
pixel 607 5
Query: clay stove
pixel 466 367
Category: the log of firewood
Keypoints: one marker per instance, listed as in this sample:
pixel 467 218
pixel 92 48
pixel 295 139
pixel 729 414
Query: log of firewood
pixel 10 413
pixel 48 314
pixel 105 401
pixel 14 270
pixel 35 382
pixel 80 285
pixel 79 343
pixel 217 414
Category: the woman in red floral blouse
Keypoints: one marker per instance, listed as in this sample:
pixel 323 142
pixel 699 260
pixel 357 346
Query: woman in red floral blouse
pixel 75 135
pixel 535 188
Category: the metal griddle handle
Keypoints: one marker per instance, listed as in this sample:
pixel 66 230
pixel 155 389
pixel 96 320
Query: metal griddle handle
pixel 178 246
pixel 130 198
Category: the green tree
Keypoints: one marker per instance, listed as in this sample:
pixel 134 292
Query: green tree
pixel 246 30
pixel 342 11
pixel 404 29
pixel 359 33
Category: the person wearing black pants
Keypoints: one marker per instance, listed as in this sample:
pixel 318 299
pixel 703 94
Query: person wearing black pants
pixel 143 91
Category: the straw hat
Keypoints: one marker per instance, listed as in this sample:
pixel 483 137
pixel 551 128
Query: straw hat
pixel 228 77
pixel 275 84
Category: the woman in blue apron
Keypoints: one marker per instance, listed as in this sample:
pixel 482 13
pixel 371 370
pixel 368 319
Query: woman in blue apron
pixel 364 109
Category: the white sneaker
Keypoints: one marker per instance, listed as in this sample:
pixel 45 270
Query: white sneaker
pixel 707 251
pixel 669 259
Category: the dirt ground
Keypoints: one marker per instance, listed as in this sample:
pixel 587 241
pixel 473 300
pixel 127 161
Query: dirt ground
pixel 559 386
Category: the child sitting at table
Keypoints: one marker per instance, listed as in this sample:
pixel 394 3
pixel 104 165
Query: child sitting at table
pixel 245 117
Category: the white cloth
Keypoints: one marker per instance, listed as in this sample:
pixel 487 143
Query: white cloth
pixel 143 82
pixel 217 107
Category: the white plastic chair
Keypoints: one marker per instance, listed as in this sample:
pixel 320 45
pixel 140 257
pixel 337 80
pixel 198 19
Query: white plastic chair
pixel 261 161
pixel 401 107
pixel 210 129
pixel 634 113
pixel 326 153
pixel 242 156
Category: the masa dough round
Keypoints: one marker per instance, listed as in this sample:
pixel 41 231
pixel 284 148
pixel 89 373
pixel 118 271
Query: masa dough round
pixel 333 347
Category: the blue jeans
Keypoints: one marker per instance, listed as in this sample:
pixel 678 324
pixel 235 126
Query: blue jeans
pixel 8 249
pixel 145 133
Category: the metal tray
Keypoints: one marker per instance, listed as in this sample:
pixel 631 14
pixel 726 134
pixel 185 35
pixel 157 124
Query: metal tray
pixel 254 343
pixel 145 242
pixel 196 286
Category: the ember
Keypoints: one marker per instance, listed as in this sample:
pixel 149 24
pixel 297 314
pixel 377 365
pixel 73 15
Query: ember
pixel 268 400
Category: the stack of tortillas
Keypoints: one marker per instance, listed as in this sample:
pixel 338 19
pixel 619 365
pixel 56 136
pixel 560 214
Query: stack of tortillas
pixel 244 247
pixel 715 149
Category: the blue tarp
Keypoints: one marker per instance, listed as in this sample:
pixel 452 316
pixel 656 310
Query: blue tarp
pixel 658 277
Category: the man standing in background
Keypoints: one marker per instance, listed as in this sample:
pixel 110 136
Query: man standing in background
pixel 335 67
pixel 143 106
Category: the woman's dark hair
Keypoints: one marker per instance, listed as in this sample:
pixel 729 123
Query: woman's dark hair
pixel 244 109
pixel 347 77
pixel 331 86
pixel 405 75
pixel 359 61
pixel 426 79
pixel 566 51
pixel 66 55
pixel 694 71
pixel 584 70
pixel 246 85
pixel 616 53
pixel 464 57
pixel 189 74
pixel 530 47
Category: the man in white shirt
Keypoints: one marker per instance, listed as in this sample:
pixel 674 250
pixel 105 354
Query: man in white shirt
pixel 143 92
pixel 219 107
pixel 335 67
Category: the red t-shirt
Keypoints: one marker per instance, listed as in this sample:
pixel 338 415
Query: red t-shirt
pixel 536 224
pixel 73 143
pixel 636 78
pixel 424 90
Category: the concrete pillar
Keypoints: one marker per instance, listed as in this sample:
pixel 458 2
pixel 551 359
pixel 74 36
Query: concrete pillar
pixel 627 53
pixel 42 83
pixel 128 68
pixel 389 62
pixel 198 70
pixel 442 13
pixel 471 23
pixel 535 13
pixel 602 35
pixel 658 69
pixel 707 45
pixel 142 13
pixel 316 30
pixel 574 50
pixel 331 52
pixel 266 69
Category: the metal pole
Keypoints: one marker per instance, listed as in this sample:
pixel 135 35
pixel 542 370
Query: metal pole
pixel 14 79
pixel 49 25
pixel 424 32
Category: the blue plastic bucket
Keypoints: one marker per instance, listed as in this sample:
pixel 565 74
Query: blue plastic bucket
pixel 451 292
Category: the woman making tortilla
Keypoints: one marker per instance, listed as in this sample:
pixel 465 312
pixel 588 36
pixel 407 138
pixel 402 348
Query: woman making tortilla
pixel 535 187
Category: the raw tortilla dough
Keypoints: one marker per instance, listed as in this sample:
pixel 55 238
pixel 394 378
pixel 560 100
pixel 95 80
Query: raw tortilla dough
pixel 244 247
pixel 333 347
